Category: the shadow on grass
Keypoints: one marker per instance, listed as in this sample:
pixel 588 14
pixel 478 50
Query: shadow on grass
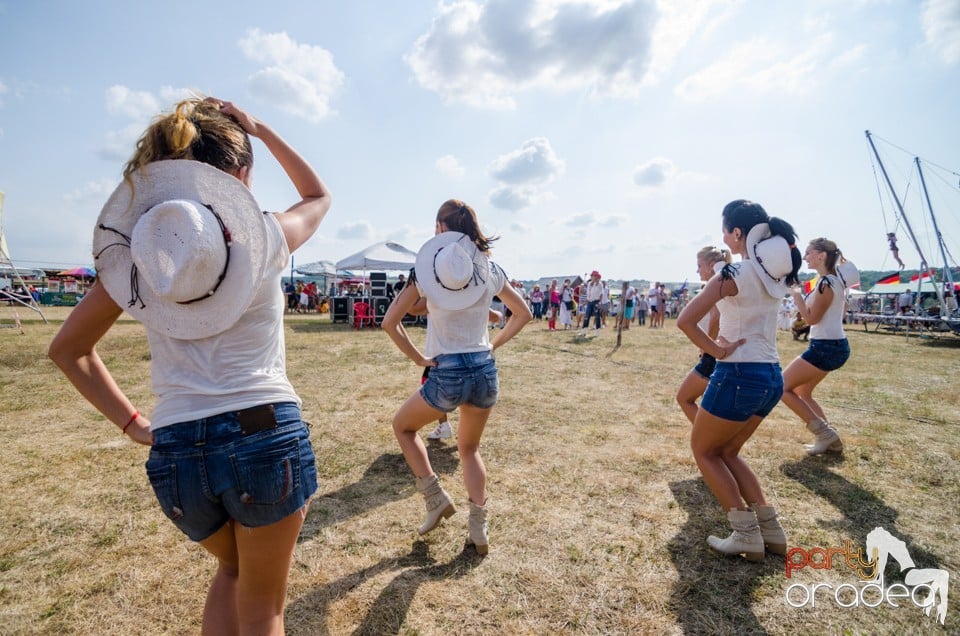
pixel 862 510
pixel 388 612
pixel 386 480
pixel 713 594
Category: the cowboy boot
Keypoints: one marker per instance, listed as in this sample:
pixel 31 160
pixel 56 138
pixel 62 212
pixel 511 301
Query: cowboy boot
pixel 478 532
pixel 745 538
pixel 774 538
pixel 439 504
pixel 827 438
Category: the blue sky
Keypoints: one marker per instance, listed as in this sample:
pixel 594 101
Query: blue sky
pixel 602 134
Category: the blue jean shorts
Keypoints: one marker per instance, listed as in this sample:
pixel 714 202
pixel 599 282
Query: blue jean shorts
pixel 827 355
pixel 462 378
pixel 739 390
pixel 206 472
pixel 706 366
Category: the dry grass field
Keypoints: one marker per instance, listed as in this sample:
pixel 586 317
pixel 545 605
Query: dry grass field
pixel 599 517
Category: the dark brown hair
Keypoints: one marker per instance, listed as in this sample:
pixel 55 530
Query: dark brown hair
pixel 457 216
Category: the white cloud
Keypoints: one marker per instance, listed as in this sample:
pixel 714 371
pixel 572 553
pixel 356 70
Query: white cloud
pixel 678 22
pixel 358 230
pixel 520 228
pixel 581 219
pixel 170 95
pixel 298 78
pixel 533 162
pixel 139 105
pixel 513 197
pixel 120 144
pixel 941 26
pixel 449 166
pixel 482 54
pixel 92 192
pixel 614 220
pixel 654 173
pixel 3 89
pixel 748 68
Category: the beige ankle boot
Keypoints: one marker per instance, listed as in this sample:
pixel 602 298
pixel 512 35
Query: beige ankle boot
pixel 774 538
pixel 745 538
pixel 827 438
pixel 477 528
pixel 439 504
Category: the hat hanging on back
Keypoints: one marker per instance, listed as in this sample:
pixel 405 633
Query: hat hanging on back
pixel 849 274
pixel 452 272
pixel 773 258
pixel 184 250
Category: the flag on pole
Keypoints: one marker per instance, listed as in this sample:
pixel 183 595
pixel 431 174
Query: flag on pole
pixel 808 285
pixel 922 276
pixel 887 280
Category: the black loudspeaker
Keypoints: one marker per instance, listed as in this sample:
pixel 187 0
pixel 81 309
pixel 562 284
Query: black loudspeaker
pixel 380 307
pixel 342 308
pixel 378 284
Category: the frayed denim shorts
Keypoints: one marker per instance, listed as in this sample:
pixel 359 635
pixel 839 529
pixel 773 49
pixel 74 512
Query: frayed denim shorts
pixel 706 366
pixel 827 355
pixel 207 471
pixel 739 390
pixel 462 378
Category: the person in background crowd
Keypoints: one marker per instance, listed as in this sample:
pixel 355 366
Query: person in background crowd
pixel 536 302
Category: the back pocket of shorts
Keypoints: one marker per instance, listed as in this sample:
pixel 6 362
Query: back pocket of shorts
pixel 163 478
pixel 267 477
pixel 750 398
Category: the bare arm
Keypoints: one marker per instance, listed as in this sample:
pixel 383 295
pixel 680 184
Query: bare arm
pixel 394 327
pixel 302 219
pixel 813 314
pixel 697 308
pixel 73 350
pixel 521 315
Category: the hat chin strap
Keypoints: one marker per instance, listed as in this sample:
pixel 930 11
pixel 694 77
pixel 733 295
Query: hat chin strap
pixel 227 242
pixel 759 261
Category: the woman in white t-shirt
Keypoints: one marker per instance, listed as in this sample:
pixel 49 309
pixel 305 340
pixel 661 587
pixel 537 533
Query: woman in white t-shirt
pixel 828 349
pixel 183 247
pixel 454 273
pixel 747 382
pixel 709 261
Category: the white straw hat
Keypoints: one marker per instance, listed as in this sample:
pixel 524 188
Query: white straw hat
pixel 184 250
pixel 452 272
pixel 849 274
pixel 773 257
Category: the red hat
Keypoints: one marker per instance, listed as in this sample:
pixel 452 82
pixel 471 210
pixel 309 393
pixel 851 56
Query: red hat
pixel 595 274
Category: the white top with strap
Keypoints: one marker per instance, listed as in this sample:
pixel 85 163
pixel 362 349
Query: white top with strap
pixel 750 315
pixel 462 330
pixel 242 367
pixel 830 326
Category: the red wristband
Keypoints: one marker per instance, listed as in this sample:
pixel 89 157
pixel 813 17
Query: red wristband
pixel 132 419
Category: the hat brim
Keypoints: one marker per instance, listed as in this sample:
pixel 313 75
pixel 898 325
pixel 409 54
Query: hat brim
pixel 436 293
pixel 182 179
pixel 775 264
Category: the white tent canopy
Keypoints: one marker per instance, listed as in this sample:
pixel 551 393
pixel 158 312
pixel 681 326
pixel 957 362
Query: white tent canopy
pixel 318 268
pixel 386 255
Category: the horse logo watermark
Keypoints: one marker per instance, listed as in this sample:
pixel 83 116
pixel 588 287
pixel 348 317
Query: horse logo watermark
pixel 925 588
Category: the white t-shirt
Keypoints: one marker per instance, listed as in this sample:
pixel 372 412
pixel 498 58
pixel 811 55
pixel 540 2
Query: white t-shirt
pixel 462 330
pixel 830 326
pixel 750 315
pixel 242 367
pixel 653 296
pixel 594 291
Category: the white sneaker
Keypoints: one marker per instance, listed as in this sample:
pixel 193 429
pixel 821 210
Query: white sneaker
pixel 443 431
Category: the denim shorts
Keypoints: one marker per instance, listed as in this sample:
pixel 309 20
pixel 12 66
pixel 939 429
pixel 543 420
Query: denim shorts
pixel 462 378
pixel 827 355
pixel 739 390
pixel 206 472
pixel 706 366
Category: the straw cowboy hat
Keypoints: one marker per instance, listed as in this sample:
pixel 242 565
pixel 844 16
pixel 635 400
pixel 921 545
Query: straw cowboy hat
pixel 184 250
pixel 773 257
pixel 451 271
pixel 848 273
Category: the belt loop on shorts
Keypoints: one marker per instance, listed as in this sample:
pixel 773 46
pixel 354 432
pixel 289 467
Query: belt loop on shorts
pixel 200 433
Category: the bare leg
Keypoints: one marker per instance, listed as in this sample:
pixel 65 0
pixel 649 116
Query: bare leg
pixel 747 481
pixel 690 389
pixel 799 380
pixel 472 422
pixel 220 610
pixel 413 415
pixel 711 440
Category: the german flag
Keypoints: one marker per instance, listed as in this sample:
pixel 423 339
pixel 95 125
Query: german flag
pixel 892 278
pixel 808 285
